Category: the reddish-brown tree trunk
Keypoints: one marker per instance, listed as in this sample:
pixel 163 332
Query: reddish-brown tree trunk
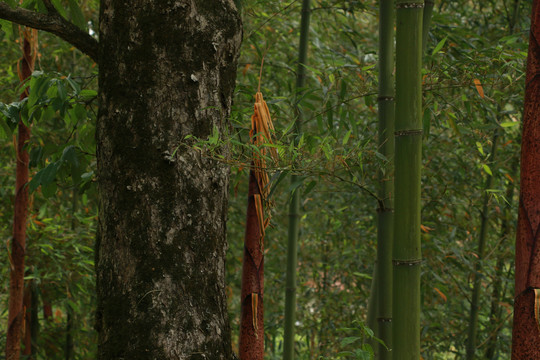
pixel 526 330
pixel 251 324
pixel 18 243
pixel 27 308
pixel 47 309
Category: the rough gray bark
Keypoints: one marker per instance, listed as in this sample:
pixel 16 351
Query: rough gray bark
pixel 167 70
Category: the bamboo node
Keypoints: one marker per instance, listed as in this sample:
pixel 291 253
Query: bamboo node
pixel 419 5
pixel 410 132
pixel 410 262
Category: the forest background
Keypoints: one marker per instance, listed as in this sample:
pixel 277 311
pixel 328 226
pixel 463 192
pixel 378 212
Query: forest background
pixel 473 90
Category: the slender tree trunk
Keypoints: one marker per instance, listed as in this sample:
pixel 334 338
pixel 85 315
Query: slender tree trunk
pixel 69 348
pixel 386 147
pixel 294 206
pixel 498 292
pixel 478 266
pixel 27 306
pixel 515 15
pixel 31 320
pixel 167 70
pixel 408 163
pixel 50 343
pixel 371 317
pixel 18 242
pixel 34 318
pixel 526 329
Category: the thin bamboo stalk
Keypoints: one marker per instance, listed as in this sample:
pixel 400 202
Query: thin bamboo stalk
pixel 69 349
pixel 515 15
pixel 498 292
pixel 473 319
pixel 371 317
pixel 478 267
pixel 27 306
pixel 294 205
pixel 408 163
pixel 426 22
pixel 385 211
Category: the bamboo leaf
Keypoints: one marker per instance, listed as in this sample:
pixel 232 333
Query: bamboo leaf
pixel 346 137
pixel 350 340
pixel 441 294
pixel 76 87
pixel 368 67
pixel 439 46
pixel 507 124
pixel 452 123
pixel 479 87
pixel 76 14
pixel 275 180
pixel 362 275
pixel 58 6
pixel 480 148
pixel 309 187
pixel 299 181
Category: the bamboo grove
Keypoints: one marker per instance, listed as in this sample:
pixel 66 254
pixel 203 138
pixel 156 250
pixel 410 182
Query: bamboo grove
pixel 394 152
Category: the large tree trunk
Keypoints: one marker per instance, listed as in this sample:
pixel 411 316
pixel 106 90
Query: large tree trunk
pixel 526 330
pixel 167 70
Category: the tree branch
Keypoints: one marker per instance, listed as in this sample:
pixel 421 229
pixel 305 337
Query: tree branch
pixel 53 23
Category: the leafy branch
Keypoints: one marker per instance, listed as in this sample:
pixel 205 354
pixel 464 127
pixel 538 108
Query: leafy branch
pixel 54 23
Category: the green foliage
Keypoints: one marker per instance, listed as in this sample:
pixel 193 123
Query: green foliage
pixel 56 102
pixel 61 113
pixel 339 157
pixel 358 341
pixel 339 160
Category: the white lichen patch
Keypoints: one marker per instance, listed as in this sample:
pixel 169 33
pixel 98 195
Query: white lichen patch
pixel 169 237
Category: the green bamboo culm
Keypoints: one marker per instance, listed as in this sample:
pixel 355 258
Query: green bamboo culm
pixel 478 268
pixel 426 22
pixel 385 211
pixel 406 250
pixel 498 290
pixel 294 206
